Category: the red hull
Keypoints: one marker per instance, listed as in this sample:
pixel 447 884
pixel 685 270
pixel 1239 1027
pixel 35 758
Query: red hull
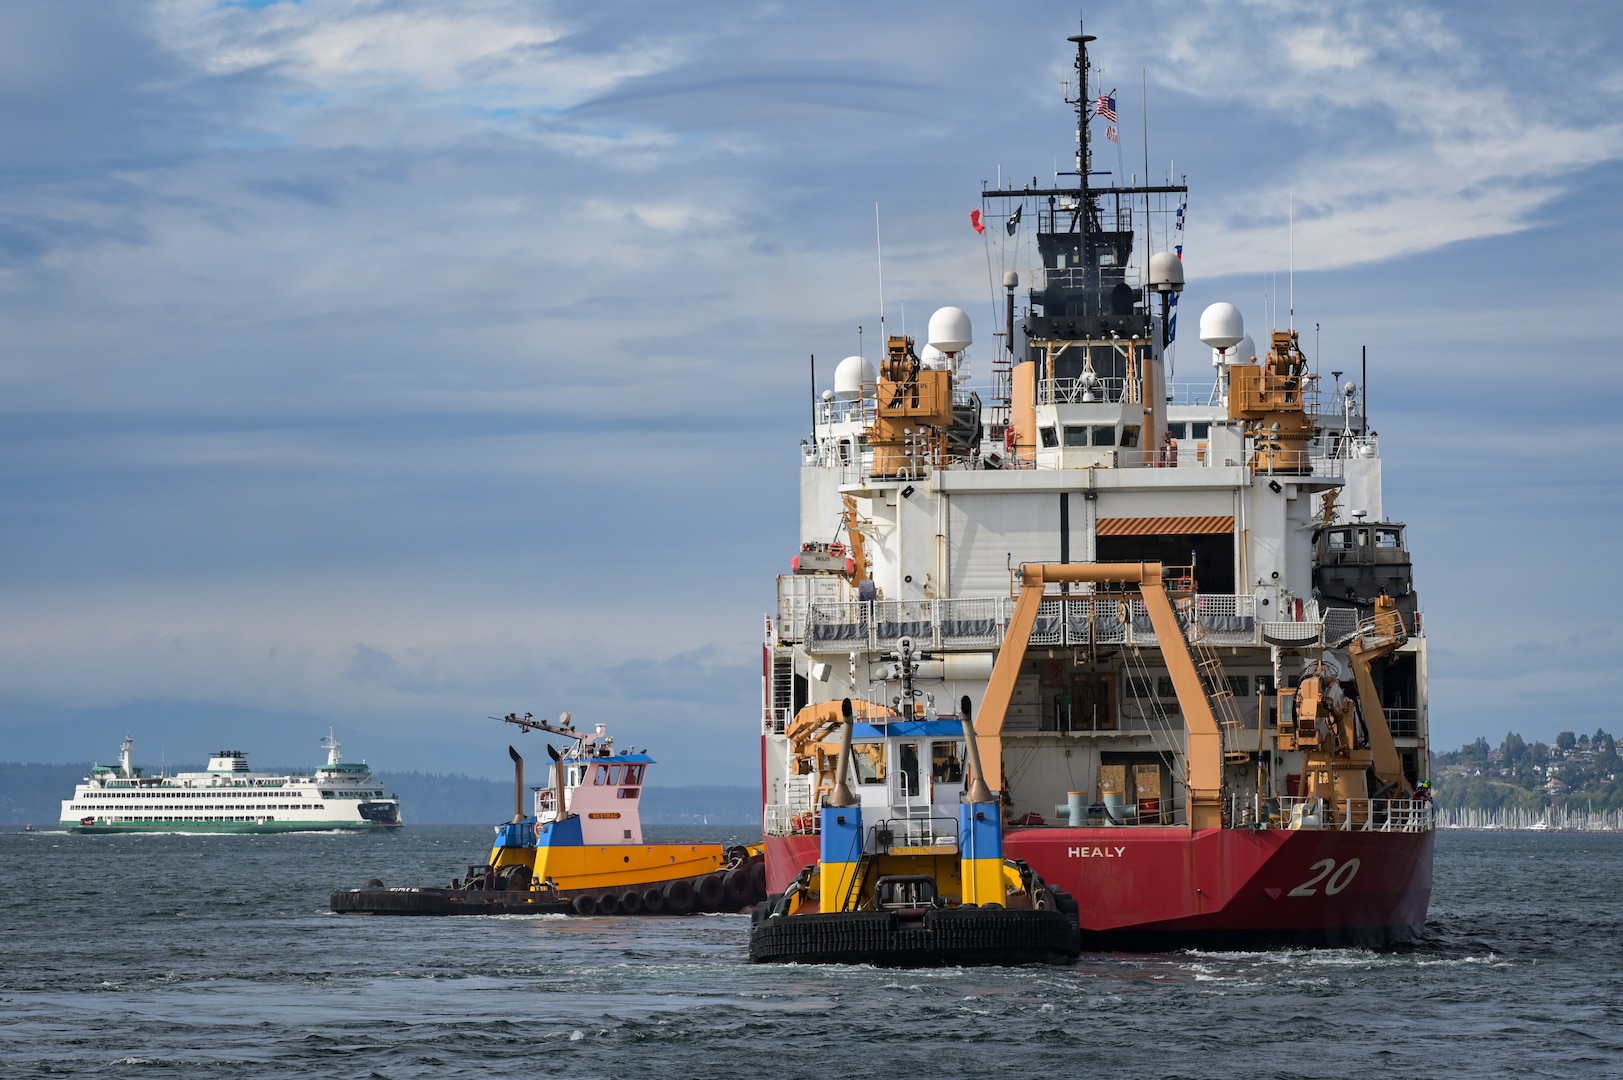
pixel 1153 888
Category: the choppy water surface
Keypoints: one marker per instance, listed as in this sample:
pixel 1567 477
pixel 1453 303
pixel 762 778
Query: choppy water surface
pixel 158 956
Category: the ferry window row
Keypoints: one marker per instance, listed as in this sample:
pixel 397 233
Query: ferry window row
pixel 94 801
pixel 216 817
pixel 227 794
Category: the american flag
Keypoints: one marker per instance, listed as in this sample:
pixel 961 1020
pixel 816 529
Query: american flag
pixel 1107 107
pixel 1110 133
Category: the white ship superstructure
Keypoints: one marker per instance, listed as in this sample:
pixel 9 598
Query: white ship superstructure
pixel 230 797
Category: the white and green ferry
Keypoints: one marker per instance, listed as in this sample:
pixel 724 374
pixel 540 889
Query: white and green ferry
pixel 229 797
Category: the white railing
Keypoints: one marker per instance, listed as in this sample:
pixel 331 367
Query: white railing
pixel 923 832
pixel 1080 391
pixel 785 820
pixel 979 623
pixel 1357 815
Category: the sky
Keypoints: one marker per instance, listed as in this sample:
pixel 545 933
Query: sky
pixel 392 365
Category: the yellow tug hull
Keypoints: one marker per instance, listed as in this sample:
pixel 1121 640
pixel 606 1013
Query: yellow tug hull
pixel 612 866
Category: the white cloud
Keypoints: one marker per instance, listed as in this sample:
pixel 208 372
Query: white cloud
pixel 1391 133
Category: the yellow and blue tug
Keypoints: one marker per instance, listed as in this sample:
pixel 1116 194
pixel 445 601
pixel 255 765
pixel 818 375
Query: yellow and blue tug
pixel 902 880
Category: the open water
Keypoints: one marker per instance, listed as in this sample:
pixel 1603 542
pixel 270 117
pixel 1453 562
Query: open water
pixel 214 956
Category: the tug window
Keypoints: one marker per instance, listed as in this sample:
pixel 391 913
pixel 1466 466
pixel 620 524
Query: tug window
pixel 946 762
pixel 869 762
pixel 1386 538
pixel 1340 540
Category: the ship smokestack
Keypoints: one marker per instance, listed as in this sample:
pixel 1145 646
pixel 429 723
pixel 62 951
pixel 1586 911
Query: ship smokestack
pixel 841 795
pixel 977 791
pixel 518 784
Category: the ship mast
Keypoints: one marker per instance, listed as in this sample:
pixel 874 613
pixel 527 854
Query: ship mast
pixel 1084 149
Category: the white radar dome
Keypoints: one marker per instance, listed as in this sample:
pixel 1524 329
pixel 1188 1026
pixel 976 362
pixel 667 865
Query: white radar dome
pixel 949 330
pixel 851 375
pixel 1221 326
pixel 1166 272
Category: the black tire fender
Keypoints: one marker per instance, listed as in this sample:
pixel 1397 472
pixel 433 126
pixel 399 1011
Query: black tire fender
pixel 679 897
pixel 740 890
pixel 709 890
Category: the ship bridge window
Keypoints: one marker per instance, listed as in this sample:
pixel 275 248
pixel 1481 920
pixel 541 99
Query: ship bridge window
pixel 869 761
pixel 1199 430
pixel 600 775
pixel 1104 435
pixel 946 762
pixel 634 774
pixel 1386 538
pixel 1129 434
pixel 617 774
pixel 1177 430
pixel 628 792
pixel 1340 540
pixel 1076 435
pixel 845 451
pixel 1049 437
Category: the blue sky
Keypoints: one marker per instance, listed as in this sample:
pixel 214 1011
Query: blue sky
pixel 389 365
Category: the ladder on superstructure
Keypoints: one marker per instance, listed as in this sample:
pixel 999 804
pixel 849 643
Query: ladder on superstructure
pixel 859 882
pixel 1214 680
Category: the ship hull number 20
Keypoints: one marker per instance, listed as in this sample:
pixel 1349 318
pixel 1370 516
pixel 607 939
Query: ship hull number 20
pixel 1338 878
